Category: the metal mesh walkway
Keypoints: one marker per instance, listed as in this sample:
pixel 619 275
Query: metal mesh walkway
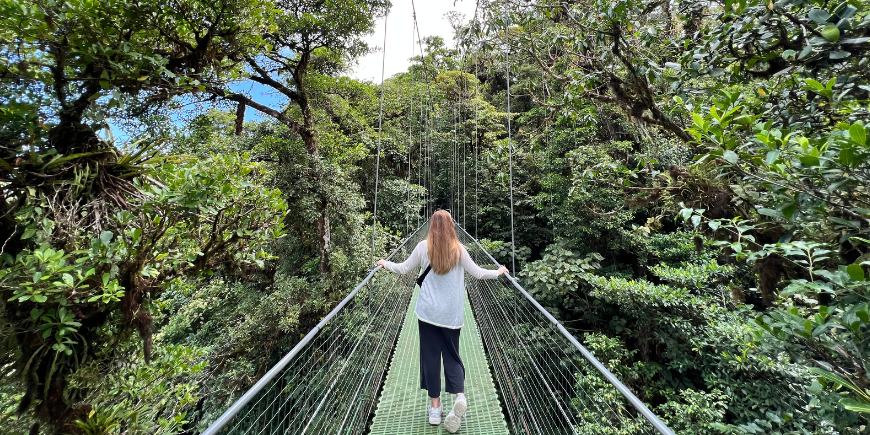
pixel 402 407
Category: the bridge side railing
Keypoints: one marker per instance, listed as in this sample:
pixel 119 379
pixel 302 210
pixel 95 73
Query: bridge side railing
pixel 548 381
pixel 328 382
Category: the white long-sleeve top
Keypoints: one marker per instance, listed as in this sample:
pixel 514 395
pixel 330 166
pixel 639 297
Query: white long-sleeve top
pixel 441 301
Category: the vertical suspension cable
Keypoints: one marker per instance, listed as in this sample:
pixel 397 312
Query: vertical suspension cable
pixel 461 125
pixel 380 126
pixel 476 140
pixel 410 138
pixel 455 162
pixel 510 145
pixel 420 144
pixel 476 151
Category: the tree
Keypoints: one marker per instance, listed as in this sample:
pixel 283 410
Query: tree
pixel 101 229
pixel 306 40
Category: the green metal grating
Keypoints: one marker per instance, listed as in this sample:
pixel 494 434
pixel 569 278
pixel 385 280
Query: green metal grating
pixel 402 406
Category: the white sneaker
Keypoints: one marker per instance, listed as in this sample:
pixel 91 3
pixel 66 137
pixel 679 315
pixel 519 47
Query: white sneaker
pixel 454 419
pixel 434 415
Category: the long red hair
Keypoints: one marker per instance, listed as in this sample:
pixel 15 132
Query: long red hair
pixel 442 243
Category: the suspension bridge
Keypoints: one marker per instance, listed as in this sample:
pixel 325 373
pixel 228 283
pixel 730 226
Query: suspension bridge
pixel 357 371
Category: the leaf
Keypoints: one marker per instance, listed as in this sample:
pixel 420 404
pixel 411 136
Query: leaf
pixel 838 54
pixel 673 65
pixel 819 15
pixel 809 160
pixel 849 157
pixel 854 405
pixel 855 272
pixel 106 237
pixel 831 33
pixel 28 233
pixel 805 52
pixel 776 214
pixel 771 157
pixel 834 378
pixel 730 156
pixel 714 225
pixel 858 134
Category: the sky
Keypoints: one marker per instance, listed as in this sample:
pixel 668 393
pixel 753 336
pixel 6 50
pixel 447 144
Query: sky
pixel 400 24
pixel 400 47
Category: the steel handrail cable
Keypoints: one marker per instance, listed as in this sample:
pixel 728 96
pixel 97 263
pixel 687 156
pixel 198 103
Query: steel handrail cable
pixel 398 309
pixel 538 371
pixel 330 355
pixel 531 321
pixel 511 331
pixel 549 379
pixel 526 318
pixel 511 377
pixel 487 304
pixel 382 357
pixel 321 374
pixel 311 390
pixel 505 372
pixel 277 368
pixel 326 368
pixel 345 365
pixel 637 403
pixel 484 303
pixel 558 381
pixel 350 356
pixel 537 384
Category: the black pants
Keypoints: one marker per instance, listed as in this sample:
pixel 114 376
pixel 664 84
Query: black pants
pixel 437 342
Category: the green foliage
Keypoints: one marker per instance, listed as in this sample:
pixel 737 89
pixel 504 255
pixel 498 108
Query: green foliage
pixel 71 300
pixel 693 275
pixel 558 273
pixel 748 120
pixel 144 399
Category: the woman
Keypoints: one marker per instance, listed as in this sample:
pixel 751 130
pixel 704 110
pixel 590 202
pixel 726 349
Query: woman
pixel 440 312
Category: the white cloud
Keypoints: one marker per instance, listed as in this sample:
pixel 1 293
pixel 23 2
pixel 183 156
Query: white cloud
pixel 400 23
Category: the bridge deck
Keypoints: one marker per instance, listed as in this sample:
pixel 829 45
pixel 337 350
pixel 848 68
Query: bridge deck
pixel 402 406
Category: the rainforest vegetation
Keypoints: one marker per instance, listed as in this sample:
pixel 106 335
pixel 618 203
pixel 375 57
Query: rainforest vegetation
pixel 691 195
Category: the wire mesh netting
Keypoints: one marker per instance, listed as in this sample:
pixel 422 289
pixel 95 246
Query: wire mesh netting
pixel 331 385
pixel 545 383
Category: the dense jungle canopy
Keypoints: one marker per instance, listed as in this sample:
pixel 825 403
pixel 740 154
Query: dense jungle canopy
pixel 691 188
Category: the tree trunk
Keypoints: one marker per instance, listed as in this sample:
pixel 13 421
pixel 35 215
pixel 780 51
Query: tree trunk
pixel 323 236
pixel 309 137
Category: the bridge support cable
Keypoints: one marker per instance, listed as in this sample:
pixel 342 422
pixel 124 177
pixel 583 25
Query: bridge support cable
pixel 476 151
pixel 380 128
pixel 410 119
pixel 329 381
pixel 549 382
pixel 507 61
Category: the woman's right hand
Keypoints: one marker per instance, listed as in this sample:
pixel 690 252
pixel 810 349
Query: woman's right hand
pixel 502 270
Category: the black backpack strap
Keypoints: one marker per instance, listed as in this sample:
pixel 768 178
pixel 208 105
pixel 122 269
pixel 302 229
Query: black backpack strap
pixel 423 275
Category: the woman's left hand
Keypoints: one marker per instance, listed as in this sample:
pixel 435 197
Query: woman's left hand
pixel 382 262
